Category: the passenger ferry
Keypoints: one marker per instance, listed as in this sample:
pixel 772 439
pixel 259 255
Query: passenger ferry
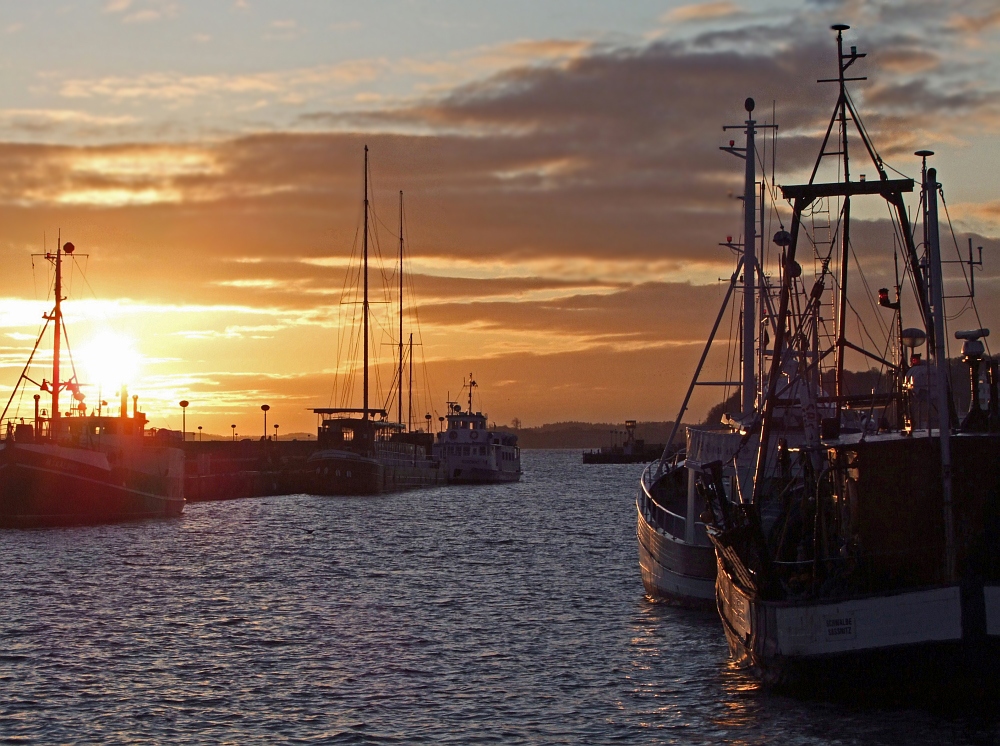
pixel 474 454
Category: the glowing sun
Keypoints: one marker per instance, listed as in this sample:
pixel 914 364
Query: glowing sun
pixel 108 360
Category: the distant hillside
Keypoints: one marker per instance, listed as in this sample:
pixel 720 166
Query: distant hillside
pixel 588 434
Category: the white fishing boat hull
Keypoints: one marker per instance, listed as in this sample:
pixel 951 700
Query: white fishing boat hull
pixel 672 570
pixel 940 629
pixel 677 565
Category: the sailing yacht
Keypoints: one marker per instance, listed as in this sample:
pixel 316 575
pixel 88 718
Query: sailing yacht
pixel 361 451
pixel 67 468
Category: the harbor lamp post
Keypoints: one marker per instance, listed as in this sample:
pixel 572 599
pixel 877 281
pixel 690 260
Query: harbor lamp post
pixel 199 433
pixel 234 432
pixel 184 407
pixel 264 408
pixel 428 418
pixel 275 433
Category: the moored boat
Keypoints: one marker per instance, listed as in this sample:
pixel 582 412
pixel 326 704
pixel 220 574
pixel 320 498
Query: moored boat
pixel 631 450
pixel 676 557
pixel 472 452
pixel 360 451
pixel 78 468
pixel 872 545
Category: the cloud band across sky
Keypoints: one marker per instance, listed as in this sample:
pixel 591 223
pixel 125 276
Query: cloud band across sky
pixel 565 199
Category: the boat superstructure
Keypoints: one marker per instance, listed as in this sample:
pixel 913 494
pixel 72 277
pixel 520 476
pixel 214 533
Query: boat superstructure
pixel 472 452
pixel 870 544
pixel 75 467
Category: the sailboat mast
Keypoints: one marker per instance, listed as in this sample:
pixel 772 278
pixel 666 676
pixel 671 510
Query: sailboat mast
pixel 57 341
pixel 409 414
pixel 940 386
pixel 845 230
pixel 365 305
pixel 749 386
pixel 399 378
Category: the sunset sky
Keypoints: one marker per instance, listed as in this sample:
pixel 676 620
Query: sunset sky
pixel 565 195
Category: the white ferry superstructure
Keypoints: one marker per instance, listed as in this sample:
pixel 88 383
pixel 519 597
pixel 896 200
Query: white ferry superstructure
pixel 472 453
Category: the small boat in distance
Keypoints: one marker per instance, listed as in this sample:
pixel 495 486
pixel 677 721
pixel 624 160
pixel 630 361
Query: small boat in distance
pixel 631 450
pixel 359 454
pixel 474 454
pixel 73 468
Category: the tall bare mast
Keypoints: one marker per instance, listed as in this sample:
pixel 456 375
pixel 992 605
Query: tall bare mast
pixel 399 378
pixel 845 230
pixel 57 340
pixel 409 414
pixel 365 305
pixel 940 351
pixel 749 383
pixel 748 380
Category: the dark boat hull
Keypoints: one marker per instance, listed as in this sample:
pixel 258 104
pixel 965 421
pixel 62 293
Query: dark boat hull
pixel 644 457
pixel 41 489
pixel 482 476
pixel 346 473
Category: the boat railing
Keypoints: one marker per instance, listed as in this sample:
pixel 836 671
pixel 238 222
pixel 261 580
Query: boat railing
pixel 666 520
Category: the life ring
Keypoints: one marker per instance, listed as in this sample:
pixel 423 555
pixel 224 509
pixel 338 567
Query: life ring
pixel 474 435
pixel 453 434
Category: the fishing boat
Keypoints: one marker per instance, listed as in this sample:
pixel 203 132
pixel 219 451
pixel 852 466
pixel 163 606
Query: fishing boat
pixel 676 557
pixel 871 546
pixel 71 468
pixel 360 450
pixel 472 452
pixel 630 450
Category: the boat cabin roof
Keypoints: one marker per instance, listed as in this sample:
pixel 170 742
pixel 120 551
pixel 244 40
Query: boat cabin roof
pixel 333 417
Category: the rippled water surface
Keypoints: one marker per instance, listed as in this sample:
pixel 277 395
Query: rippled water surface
pixel 499 614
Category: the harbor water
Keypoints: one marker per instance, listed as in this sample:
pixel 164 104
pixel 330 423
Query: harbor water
pixel 494 614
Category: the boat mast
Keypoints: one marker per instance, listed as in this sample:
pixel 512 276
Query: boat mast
pixel 749 387
pixel 364 417
pixel 471 384
pixel 57 341
pixel 399 408
pixel 409 413
pixel 748 377
pixel 941 364
pixel 845 235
